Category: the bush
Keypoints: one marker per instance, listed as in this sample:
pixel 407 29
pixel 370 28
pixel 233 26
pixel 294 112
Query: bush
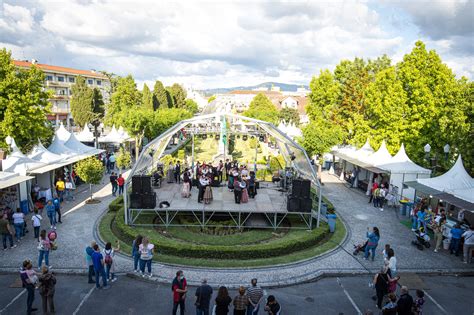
pixel 289 244
pixel 116 205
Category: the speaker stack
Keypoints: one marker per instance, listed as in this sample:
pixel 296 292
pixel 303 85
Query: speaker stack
pixel 300 198
pixel 143 196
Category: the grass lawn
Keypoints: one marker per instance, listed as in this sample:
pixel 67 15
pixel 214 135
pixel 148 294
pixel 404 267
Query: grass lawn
pixel 330 242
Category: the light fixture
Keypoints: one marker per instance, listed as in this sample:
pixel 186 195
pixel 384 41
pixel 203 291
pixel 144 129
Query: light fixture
pixel 446 150
pixel 261 138
pixel 427 149
pixel 244 137
pixel 9 140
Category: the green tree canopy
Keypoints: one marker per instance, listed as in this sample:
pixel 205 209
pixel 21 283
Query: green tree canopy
pixel 124 159
pixel 319 136
pixel 160 96
pixel 23 104
pixel 191 106
pixel 178 94
pixel 87 105
pixel 90 171
pixel 166 118
pixel 262 108
pixel 289 116
pixel 147 98
pixel 126 96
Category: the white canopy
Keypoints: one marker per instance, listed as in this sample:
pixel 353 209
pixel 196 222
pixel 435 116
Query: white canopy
pixel 465 194
pixel 8 179
pixel 112 137
pixel 123 133
pixel 62 134
pixel 453 180
pixel 379 157
pixel 58 147
pixel 290 130
pixel 41 154
pixel 19 163
pixel 75 145
pixel 401 163
pixel 86 135
pixel 365 151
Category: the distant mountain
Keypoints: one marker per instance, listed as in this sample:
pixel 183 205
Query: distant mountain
pixel 284 87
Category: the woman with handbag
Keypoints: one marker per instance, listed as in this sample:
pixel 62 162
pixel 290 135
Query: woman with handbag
pixel 44 246
pixel 146 256
pixel 381 283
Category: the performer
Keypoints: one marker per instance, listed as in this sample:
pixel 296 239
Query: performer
pixel 220 169
pixel 227 169
pixel 245 196
pixel 185 192
pixel 203 182
pixel 169 173
pixel 252 187
pixel 177 172
pixel 208 194
pixel 237 190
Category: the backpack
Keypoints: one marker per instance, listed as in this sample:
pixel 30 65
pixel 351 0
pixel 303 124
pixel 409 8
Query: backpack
pixel 108 258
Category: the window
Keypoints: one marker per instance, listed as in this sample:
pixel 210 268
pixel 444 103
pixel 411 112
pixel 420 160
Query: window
pixel 49 78
pixel 90 81
pixel 72 79
pixel 60 79
pixel 70 92
pixel 98 82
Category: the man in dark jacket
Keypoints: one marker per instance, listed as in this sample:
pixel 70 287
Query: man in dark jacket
pixel 29 286
pixel 405 302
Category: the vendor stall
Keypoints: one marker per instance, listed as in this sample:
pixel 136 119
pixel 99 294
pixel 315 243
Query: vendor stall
pixel 10 193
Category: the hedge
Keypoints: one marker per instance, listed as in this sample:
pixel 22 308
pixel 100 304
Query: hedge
pixel 284 246
pixel 116 205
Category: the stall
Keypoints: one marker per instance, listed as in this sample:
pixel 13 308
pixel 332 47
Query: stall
pixel 10 196
pixel 86 135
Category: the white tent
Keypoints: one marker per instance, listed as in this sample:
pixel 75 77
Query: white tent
pixel 124 134
pixel 465 194
pixel 86 135
pixel 75 145
pixel 58 147
pixel 364 151
pixel 41 154
pixel 62 134
pixel 381 156
pixel 112 137
pixel 19 163
pixel 8 179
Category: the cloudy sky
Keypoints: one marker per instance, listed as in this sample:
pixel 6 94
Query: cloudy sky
pixel 228 43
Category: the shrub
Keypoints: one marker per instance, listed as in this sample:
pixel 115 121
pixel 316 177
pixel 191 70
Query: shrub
pixel 116 204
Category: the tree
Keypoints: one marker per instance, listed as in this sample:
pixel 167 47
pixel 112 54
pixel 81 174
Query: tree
pixel 289 116
pixel 124 159
pixel 147 98
pixel 138 122
pixel 90 171
pixel 212 98
pixel 191 106
pixel 126 96
pixel 323 96
pixel 319 136
pixel 166 118
pixel 160 96
pixel 178 94
pixel 262 108
pixel 23 104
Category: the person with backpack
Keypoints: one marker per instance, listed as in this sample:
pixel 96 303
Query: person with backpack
pixel 381 283
pixel 109 254
pixel 36 218
pixel 57 208
pixel 47 282
pixel 90 264
pixel 44 246
pixel 179 287
pixel 146 256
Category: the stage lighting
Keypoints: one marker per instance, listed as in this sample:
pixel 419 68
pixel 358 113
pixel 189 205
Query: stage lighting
pixel 238 136
pixel 261 138
pixel 218 137
pixel 204 136
pixel 244 137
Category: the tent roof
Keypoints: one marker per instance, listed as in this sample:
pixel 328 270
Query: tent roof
pixel 75 145
pixel 58 147
pixel 465 194
pixel 62 134
pixel 8 179
pixel 287 147
pixel 41 154
pixel 19 163
pixel 453 180
pixel 379 157
pixel 86 135
pixel 401 163
pixel 112 137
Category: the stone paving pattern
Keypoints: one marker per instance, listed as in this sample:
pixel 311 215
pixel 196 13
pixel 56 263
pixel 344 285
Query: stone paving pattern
pixel 78 230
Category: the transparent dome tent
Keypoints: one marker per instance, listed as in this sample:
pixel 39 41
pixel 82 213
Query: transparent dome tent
pixel 226 125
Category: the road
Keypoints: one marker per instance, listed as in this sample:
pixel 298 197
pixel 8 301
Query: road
pixel 346 295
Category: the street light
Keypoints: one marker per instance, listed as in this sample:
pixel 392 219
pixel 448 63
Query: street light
pixel 427 149
pixel 9 140
pixel 446 150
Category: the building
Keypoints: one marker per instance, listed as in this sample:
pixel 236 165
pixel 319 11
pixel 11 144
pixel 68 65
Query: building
pixel 59 80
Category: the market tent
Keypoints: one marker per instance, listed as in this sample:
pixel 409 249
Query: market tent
pixel 465 194
pixel 74 144
pixel 379 157
pixel 112 137
pixel 8 179
pixel 19 163
pixel 62 134
pixel 58 147
pixel 124 134
pixel 364 151
pixel 41 154
pixel 86 135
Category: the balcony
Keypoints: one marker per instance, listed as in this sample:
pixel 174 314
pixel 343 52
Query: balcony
pixel 60 109
pixel 57 84
pixel 60 97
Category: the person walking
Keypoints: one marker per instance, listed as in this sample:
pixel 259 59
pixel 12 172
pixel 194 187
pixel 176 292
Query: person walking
pixel 19 224
pixel 146 255
pixel 136 252
pixel 98 261
pixel 36 222
pixel 222 301
pixel 113 182
pixel 51 212
pixel 179 287
pixel 203 297
pixel 89 251
pixel 468 244
pixel 109 253
pixel 44 247
pixel 57 208
pixel 391 263
pixel 381 283
pixel 372 242
pixel 241 302
pixel 121 183
pixel 405 302
pixel 29 285
pixel 255 294
pixel 112 161
pixel 47 284
pixel 7 231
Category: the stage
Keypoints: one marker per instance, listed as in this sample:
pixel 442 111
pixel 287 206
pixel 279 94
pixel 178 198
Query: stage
pixel 267 210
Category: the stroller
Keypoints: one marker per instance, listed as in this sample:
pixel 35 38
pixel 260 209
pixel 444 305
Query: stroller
pixel 422 239
pixel 359 248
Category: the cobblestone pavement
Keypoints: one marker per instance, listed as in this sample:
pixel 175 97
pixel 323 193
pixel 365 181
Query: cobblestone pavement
pixel 78 230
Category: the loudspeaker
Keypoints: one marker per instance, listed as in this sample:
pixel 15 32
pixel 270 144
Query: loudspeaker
pixel 136 184
pixel 301 188
pixel 292 204
pixel 149 201
pixel 146 184
pixel 305 204
pixel 135 200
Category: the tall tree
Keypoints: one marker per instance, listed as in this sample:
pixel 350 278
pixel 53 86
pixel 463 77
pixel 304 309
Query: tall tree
pixel 289 116
pixel 262 108
pixel 23 104
pixel 160 96
pixel 178 94
pixel 138 122
pixel 191 106
pixel 87 105
pixel 147 101
pixel 126 96
pixel 323 96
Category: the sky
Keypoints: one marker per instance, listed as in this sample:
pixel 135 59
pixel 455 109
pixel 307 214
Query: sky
pixel 230 43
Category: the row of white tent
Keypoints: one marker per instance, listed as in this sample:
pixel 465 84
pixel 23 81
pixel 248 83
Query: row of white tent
pixel 114 136
pixel 404 172
pixel 290 130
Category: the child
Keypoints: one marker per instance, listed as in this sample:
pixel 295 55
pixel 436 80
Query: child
pixel 32 277
pixel 36 218
pixel 384 252
pixel 419 301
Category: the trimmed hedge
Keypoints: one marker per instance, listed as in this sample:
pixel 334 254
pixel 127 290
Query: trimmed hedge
pixel 292 242
pixel 117 204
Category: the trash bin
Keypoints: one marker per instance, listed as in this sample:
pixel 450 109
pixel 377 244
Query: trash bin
pixel 332 222
pixel 446 243
pixel 24 206
pixel 403 209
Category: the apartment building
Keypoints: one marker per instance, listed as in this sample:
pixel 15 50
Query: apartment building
pixel 60 80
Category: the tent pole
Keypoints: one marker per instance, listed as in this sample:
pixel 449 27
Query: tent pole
pixel 125 202
pixel 192 152
pixel 320 196
pixel 401 190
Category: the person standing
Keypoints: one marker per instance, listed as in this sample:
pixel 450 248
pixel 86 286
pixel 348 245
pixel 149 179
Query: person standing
pixel 90 264
pixel 113 182
pixel 98 261
pixel 391 307
pixel 179 287
pixel 391 263
pixel 203 182
pixel 381 282
pixel 375 185
pixel 468 244
pixel 223 301
pixel 57 208
pixel 6 231
pixel 456 234
pixel 69 189
pixel 47 282
pixel 51 212
pixel 405 302
pixel 28 285
pixel 43 248
pixel 121 183
pixel 112 161
pixel 136 252
pixel 146 256
pixel 237 190
pixel 419 302
pixel 203 298
pixel 19 224
pixel 109 253
pixel 373 240
pixel 185 192
pixel 438 227
pixel 170 173
pixel 60 188
pixel 272 307
pixel 227 169
pixel 241 302
pixel 177 172
pixel 245 195
pixel 252 187
pixel 255 294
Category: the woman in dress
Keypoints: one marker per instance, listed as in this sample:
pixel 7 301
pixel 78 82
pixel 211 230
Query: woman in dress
pixel 170 173
pixel 230 183
pixel 245 195
pixel 208 194
pixel 185 192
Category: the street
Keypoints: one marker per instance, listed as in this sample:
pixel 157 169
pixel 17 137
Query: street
pixel 345 295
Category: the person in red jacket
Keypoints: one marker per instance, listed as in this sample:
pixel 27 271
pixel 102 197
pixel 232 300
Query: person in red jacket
pixel 121 182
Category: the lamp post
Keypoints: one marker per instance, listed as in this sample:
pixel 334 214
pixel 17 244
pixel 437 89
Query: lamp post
pixel 427 149
pixel 446 150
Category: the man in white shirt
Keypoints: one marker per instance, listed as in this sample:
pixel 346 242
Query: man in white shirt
pixel 468 244
pixel 203 182
pixel 36 218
